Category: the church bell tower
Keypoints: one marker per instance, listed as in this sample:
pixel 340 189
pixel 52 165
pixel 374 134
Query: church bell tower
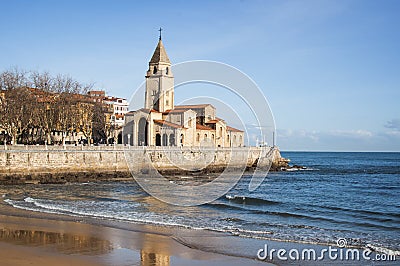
pixel 159 81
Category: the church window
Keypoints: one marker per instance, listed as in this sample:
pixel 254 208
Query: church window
pixel 155 70
pixel 167 70
pixel 190 122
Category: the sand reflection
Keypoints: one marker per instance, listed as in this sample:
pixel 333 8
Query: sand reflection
pixel 62 242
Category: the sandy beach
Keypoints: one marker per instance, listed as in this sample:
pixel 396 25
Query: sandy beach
pixel 30 238
pixel 34 238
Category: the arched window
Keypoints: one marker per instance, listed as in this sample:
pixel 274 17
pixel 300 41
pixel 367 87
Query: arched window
pixel 190 122
pixel 164 140
pixel 167 71
pixel 205 136
pixel 158 139
pixel 142 134
pixel 155 70
pixel 182 139
pixel 212 137
pixel 172 140
pixel 198 137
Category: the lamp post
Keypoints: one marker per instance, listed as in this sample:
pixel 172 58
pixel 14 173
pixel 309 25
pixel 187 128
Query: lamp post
pixel 5 140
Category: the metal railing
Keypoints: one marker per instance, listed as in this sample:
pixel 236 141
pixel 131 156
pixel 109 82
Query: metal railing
pixel 120 147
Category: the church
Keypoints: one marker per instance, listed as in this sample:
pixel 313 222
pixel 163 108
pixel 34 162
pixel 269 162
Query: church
pixel 162 123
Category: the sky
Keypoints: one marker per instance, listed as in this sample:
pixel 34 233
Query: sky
pixel 330 70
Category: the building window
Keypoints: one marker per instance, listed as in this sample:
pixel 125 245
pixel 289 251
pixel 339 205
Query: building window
pixel 155 70
pixel 220 132
pixel 166 71
pixel 167 102
pixel 212 137
pixel 205 136
pixel 198 137
pixel 190 122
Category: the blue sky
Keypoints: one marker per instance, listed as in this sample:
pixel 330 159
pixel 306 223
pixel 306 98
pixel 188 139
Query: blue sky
pixel 329 69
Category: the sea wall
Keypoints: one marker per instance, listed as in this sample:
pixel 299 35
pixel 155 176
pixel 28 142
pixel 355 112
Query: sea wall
pixel 53 164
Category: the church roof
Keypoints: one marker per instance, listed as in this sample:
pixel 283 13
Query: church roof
pixel 160 55
pixel 214 121
pixel 174 111
pixel 144 110
pixel 189 106
pixel 228 128
pixel 201 127
pixel 167 124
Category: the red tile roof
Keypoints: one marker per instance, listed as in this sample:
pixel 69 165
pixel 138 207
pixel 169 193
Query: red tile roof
pixel 174 111
pixel 201 127
pixel 228 128
pixel 214 121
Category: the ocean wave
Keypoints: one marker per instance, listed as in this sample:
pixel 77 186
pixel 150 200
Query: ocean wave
pixel 250 200
pixel 18 206
pixel 383 250
pixel 30 200
pixel 366 212
pixel 232 225
pixel 38 205
pixel 224 206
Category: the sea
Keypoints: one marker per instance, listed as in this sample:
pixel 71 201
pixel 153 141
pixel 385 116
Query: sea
pixel 350 195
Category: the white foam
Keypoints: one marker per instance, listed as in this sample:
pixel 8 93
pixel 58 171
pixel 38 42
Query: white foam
pixel 13 203
pixel 30 200
pixel 230 196
pixel 383 250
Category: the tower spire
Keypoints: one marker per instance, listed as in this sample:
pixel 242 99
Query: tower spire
pixel 160 55
pixel 160 30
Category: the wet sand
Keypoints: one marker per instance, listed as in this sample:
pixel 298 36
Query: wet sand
pixel 34 238
pixel 31 238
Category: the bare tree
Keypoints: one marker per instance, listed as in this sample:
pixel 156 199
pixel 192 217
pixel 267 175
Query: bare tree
pixel 38 102
pixel 17 103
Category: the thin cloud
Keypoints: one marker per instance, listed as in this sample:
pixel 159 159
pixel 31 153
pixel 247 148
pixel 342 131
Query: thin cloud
pixel 352 133
pixel 393 124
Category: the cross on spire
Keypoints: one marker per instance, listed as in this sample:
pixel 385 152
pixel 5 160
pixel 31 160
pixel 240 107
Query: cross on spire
pixel 160 30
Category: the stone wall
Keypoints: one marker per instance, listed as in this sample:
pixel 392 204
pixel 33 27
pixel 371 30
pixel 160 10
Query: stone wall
pixel 63 163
